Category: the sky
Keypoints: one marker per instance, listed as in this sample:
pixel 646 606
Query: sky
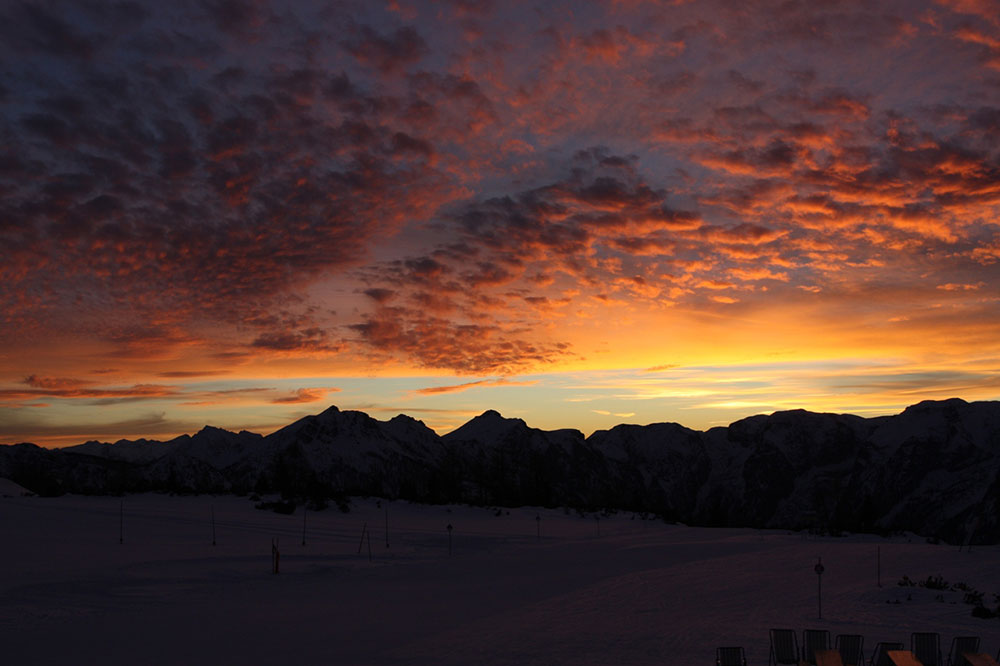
pixel 238 212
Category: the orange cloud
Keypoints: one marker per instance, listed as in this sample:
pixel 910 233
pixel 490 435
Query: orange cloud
pixel 81 389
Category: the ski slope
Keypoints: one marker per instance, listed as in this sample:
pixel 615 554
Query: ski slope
pixel 563 589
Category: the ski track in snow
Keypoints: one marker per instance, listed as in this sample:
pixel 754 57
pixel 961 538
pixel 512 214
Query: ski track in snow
pixel 619 590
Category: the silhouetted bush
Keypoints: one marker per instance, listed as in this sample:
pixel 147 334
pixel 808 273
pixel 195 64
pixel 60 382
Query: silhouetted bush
pixel 973 598
pixel 983 612
pixel 935 583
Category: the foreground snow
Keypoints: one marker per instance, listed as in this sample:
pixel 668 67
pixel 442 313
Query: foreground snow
pixel 620 590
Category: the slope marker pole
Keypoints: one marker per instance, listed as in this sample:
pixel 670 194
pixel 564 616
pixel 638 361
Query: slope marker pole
pixel 364 530
pixel 819 568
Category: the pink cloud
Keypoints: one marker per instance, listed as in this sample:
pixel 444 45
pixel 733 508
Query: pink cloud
pixel 457 388
pixel 304 395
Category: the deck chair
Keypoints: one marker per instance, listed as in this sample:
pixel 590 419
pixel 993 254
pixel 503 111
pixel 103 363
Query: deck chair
pixel 880 657
pixel 961 644
pixel 730 656
pixel 828 658
pixel 812 640
pixel 926 647
pixel 784 647
pixel 851 648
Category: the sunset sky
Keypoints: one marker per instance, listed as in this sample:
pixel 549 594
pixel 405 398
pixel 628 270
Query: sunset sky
pixel 237 213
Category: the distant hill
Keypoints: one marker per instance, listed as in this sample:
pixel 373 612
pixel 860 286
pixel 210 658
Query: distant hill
pixel 934 469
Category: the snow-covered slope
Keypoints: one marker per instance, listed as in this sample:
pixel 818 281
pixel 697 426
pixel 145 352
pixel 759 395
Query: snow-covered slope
pixel 530 586
pixel 10 489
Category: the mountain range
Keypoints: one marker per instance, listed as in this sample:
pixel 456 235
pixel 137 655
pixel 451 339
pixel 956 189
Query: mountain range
pixel 933 469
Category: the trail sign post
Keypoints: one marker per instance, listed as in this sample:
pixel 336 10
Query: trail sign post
pixel 819 569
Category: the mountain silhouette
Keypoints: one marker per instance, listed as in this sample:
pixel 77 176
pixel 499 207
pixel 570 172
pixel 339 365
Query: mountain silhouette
pixel 933 469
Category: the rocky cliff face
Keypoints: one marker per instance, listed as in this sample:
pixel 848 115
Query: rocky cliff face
pixel 934 469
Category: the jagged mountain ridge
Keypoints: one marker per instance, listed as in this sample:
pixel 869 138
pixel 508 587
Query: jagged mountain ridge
pixel 933 469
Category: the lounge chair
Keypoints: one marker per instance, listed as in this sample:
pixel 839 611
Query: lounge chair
pixel 730 656
pixel 784 647
pixel 880 657
pixel 903 658
pixel 926 647
pixel 960 645
pixel 812 640
pixel 828 658
pixel 851 648
pixel 980 659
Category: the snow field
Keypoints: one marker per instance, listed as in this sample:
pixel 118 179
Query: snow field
pixel 620 590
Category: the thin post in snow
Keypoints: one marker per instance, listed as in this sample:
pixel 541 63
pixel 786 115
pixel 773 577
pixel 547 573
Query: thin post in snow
pixel 819 568
pixel 275 555
pixel 364 530
pixel 970 531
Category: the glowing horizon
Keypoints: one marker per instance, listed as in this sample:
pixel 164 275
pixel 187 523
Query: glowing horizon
pixel 239 214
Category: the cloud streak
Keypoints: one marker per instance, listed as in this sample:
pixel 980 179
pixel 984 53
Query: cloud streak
pixel 458 388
